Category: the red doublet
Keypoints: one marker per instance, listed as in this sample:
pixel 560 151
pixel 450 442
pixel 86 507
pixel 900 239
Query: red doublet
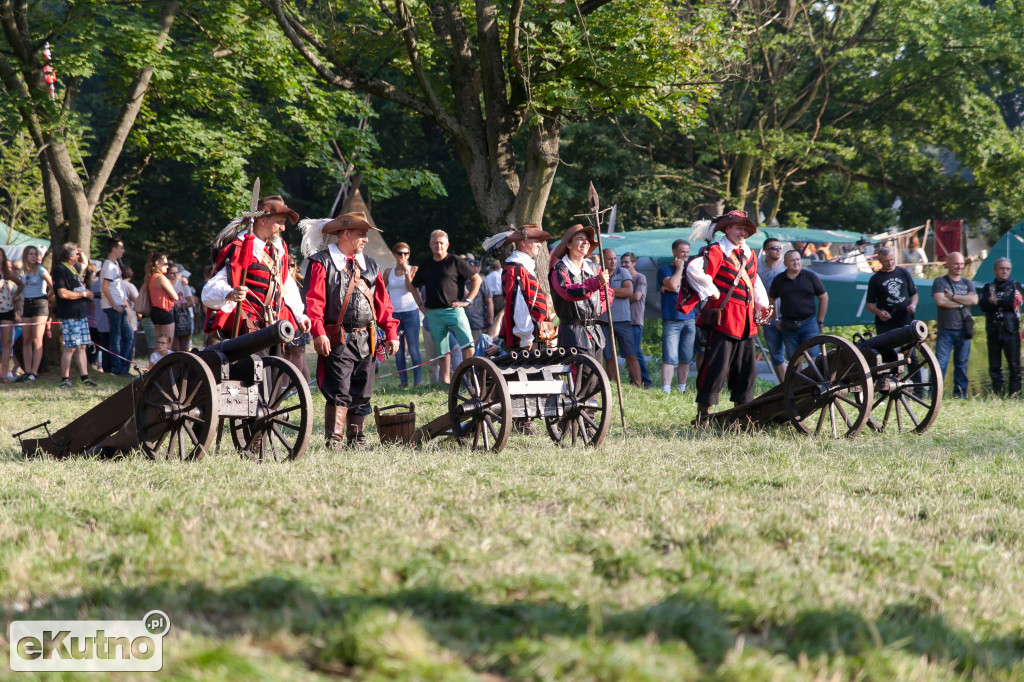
pixel 515 278
pixel 738 320
pixel 259 270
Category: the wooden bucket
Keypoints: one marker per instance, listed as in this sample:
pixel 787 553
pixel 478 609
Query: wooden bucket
pixel 397 427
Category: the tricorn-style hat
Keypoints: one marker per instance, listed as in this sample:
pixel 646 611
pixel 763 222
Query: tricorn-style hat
pixel 528 232
pixel 734 218
pixel 563 246
pixel 349 221
pixel 274 205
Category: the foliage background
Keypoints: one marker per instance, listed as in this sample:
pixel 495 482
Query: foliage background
pixel 826 115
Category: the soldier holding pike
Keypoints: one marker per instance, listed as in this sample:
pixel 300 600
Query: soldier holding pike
pixel 251 287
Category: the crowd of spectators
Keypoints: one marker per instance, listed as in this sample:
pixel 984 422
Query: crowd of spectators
pixel 450 306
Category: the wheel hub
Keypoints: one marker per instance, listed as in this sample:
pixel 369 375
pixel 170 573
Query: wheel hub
pixel 176 411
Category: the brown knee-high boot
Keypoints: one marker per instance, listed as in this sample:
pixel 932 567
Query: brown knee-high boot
pixel 355 436
pixel 334 425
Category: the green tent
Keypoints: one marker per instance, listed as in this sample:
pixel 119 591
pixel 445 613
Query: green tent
pixel 1010 245
pixel 658 243
pixel 14 242
pixel 846 285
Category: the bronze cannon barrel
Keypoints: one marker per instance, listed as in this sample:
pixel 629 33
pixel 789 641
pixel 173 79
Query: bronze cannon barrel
pixel 913 334
pixel 255 342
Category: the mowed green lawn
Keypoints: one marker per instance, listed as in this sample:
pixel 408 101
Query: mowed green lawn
pixel 666 555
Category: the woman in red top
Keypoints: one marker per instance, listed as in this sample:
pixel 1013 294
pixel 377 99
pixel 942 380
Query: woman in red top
pixel 161 294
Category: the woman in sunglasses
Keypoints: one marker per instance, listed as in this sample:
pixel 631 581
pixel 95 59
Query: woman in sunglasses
pixel 399 284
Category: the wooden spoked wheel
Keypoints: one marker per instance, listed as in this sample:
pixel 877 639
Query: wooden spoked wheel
pixel 585 400
pixel 176 414
pixel 907 399
pixel 281 429
pixel 829 394
pixel 479 405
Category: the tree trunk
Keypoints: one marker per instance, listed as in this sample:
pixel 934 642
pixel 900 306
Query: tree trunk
pixel 743 171
pixel 539 172
pixel 70 204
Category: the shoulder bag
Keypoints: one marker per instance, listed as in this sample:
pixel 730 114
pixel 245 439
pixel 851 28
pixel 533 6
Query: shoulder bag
pixel 142 304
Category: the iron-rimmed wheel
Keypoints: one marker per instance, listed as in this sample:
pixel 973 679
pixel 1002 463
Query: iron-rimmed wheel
pixel 177 407
pixel 829 393
pixel 479 405
pixel 283 425
pixel 910 401
pixel 585 400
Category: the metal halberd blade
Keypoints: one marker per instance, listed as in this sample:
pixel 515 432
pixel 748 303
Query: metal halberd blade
pixel 252 214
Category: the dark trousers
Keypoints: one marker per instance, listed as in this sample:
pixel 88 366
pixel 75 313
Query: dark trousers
pixel 1003 341
pixel 121 338
pixel 727 361
pixel 346 377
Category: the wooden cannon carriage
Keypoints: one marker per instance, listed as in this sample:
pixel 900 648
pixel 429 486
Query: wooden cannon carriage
pixel 175 410
pixel 568 390
pixel 834 387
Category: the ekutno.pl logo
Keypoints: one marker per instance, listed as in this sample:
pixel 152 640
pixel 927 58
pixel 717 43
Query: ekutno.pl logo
pixel 89 645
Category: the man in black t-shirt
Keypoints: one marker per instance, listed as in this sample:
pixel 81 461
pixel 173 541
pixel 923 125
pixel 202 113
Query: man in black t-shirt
pixel 73 304
pixel 796 294
pixel 892 294
pixel 442 276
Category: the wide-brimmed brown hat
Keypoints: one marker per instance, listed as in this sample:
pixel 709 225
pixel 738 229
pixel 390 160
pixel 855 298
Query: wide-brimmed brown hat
pixel 274 205
pixel 563 245
pixel 349 221
pixel 735 218
pixel 528 232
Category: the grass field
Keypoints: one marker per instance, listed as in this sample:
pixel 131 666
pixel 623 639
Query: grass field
pixel 667 555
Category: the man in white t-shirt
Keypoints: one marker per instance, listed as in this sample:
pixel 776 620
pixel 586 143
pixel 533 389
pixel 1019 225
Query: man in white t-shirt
pixel 112 301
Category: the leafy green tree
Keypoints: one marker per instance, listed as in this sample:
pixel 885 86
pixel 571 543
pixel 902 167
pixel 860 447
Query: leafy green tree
pixel 21 191
pixel 211 84
pixel 490 74
pixel 81 29
pixel 882 93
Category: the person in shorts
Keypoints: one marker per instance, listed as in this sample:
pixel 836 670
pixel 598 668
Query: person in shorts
pixel 677 329
pixel 35 311
pixel 72 309
pixel 444 275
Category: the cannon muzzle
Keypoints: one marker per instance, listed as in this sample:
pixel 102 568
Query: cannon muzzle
pixel 914 334
pixel 249 344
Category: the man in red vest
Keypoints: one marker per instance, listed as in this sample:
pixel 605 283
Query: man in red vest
pixel 725 278
pixel 252 271
pixel 347 299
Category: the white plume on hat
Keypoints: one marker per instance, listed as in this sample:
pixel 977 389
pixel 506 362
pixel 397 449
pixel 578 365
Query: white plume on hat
pixel 703 230
pixel 495 242
pixel 313 238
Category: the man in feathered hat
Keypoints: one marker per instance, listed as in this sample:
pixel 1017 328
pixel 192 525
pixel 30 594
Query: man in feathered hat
pixel 345 298
pixel 526 305
pixel 251 271
pixel 726 278
pixel 576 291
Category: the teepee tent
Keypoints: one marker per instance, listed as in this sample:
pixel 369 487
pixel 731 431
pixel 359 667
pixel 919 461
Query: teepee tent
pixel 1010 245
pixel 377 248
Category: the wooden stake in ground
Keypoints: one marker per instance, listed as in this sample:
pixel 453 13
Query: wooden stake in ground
pixel 595 209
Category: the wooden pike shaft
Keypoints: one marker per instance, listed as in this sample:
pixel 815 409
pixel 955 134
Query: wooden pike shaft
pixel 611 323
